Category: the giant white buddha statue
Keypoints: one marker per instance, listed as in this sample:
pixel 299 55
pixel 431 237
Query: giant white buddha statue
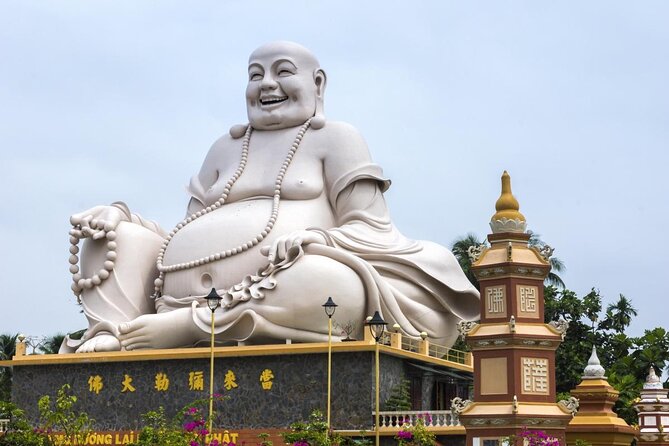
pixel 284 212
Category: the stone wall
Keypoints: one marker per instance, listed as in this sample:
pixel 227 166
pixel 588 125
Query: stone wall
pixel 298 386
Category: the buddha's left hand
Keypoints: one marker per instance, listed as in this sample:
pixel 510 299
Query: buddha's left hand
pixel 277 251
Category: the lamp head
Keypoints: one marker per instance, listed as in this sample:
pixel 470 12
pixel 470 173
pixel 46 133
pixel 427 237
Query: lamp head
pixel 376 325
pixel 330 307
pixel 213 300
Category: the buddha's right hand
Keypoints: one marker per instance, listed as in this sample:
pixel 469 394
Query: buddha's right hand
pixel 97 221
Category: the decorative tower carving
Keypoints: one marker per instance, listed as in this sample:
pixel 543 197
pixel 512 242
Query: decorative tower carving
pixel 595 421
pixel 653 408
pixel 513 349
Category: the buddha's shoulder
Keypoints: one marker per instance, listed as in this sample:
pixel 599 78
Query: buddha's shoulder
pixel 338 129
pixel 337 134
pixel 224 144
pixel 340 140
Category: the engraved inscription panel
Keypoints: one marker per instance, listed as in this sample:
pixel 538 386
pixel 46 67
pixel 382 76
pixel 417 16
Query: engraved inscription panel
pixel 495 301
pixel 527 297
pixel 535 376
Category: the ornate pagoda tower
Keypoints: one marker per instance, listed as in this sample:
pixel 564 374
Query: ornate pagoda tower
pixel 513 349
pixel 596 422
pixel 653 408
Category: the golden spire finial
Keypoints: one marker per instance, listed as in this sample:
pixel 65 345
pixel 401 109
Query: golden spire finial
pixel 508 217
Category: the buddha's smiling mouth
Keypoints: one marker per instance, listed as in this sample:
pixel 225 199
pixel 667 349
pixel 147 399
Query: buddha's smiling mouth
pixel 273 100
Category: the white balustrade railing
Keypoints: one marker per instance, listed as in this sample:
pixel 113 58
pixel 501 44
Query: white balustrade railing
pixel 449 354
pixel 432 418
pixel 410 344
pixel 4 425
pixel 434 350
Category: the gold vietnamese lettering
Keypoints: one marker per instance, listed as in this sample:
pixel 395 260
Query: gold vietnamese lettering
pixel 196 380
pixel 230 381
pixel 162 382
pixel 95 384
pixel 127 384
pixel 266 378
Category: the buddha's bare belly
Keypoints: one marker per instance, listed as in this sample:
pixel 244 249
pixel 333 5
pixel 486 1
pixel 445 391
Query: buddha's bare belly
pixel 228 227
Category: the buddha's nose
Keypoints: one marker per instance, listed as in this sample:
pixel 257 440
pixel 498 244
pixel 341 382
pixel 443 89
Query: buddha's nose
pixel 268 83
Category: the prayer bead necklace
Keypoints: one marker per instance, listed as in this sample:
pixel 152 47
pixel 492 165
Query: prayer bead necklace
pixel 163 269
pixel 79 283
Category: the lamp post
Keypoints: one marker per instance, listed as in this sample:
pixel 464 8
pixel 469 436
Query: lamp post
pixel 213 302
pixel 330 308
pixel 376 327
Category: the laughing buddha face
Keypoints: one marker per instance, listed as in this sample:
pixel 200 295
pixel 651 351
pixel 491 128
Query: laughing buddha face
pixel 285 86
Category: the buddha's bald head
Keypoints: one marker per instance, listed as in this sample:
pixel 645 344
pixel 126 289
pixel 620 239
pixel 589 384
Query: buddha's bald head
pixel 286 48
pixel 286 86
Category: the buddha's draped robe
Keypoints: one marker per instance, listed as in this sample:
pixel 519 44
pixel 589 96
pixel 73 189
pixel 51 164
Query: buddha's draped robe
pixel 417 284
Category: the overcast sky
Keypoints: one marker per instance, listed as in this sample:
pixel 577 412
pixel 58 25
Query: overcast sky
pixel 120 100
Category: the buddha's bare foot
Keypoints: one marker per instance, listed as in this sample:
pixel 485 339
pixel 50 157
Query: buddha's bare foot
pixel 100 343
pixel 164 330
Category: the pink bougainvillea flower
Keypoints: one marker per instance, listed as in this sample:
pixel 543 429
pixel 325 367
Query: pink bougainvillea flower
pixel 405 435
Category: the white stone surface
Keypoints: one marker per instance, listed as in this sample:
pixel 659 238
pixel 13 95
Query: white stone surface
pixel 274 233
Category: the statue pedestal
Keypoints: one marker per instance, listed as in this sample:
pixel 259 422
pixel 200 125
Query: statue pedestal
pixel 264 388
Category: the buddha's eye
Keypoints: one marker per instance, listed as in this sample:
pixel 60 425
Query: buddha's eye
pixel 255 76
pixel 284 73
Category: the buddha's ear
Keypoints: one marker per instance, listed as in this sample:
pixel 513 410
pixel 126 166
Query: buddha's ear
pixel 320 79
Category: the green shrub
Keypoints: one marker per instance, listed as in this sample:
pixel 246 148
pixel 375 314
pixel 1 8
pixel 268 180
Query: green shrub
pixel 187 428
pixel 417 434
pixel 311 433
pixel 20 432
pixel 400 398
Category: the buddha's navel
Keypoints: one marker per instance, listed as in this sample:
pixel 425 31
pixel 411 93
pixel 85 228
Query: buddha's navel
pixel 207 281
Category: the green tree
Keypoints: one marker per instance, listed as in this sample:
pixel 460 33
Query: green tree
pixel 651 349
pixel 619 315
pixel 629 387
pixel 60 416
pixel 572 355
pixel 51 344
pixel 400 397
pixel 20 432
pixel 626 359
pixel 7 351
pixel 460 250
pixel 7 346
pixel 557 265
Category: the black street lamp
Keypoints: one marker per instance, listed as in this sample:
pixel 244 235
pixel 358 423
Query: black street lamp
pixel 376 326
pixel 213 302
pixel 330 308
